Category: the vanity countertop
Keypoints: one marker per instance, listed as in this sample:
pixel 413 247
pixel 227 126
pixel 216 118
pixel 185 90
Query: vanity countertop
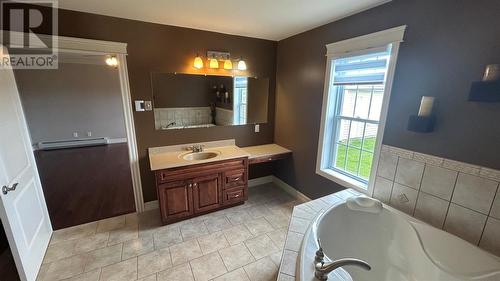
pixel 167 157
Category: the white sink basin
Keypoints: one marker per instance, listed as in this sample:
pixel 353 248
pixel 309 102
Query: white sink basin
pixel 193 156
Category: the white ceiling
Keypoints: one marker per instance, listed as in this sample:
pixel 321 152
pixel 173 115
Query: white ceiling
pixel 267 19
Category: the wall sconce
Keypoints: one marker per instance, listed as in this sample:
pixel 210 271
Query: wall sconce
pixel 198 62
pixel 242 65
pixel 112 61
pixel 424 121
pixel 487 90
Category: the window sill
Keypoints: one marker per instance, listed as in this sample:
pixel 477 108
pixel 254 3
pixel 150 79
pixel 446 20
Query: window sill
pixel 343 180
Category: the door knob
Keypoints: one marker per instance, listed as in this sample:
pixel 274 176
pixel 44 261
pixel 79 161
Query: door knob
pixel 6 189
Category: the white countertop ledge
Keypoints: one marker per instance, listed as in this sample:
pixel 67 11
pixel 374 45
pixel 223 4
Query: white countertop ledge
pixel 167 157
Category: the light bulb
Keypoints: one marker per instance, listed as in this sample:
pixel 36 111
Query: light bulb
pixel 198 62
pixel 242 65
pixel 112 61
pixel 214 63
pixel 228 64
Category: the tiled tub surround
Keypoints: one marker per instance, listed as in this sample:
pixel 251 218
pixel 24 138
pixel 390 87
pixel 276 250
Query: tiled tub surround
pixel 459 198
pixel 240 243
pixel 182 116
pixel 224 117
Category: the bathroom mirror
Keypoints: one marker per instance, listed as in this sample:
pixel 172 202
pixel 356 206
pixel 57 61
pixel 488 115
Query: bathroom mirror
pixel 195 101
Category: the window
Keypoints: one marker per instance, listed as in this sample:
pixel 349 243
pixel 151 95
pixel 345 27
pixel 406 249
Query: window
pixel 357 91
pixel 240 100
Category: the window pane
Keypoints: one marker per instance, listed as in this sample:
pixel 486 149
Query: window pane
pixel 365 165
pixel 353 157
pixel 363 101
pixel 376 107
pixel 356 134
pixel 340 156
pixel 347 95
pixel 370 137
pixel 343 131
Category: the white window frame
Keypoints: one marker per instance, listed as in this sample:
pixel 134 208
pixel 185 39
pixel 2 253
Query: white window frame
pixel 347 48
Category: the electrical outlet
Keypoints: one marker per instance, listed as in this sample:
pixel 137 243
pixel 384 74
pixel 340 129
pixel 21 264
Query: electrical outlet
pixel 89 134
pixel 257 128
pixel 75 134
pixel 148 105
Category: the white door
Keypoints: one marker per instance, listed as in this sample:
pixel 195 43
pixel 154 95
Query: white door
pixel 23 211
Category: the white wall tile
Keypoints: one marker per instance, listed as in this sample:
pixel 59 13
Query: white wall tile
pixel 495 209
pixel 439 181
pixel 431 209
pixel 491 237
pixel 490 173
pixel 387 165
pixel 474 192
pixel 428 159
pixel 409 172
pixel 461 167
pixel 465 223
pixel 382 189
pixel 398 201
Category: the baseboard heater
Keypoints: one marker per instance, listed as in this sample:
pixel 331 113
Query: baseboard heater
pixel 51 145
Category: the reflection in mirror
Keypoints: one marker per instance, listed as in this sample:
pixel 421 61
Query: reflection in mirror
pixel 196 101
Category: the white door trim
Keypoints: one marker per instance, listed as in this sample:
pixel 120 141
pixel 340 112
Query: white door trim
pixel 99 47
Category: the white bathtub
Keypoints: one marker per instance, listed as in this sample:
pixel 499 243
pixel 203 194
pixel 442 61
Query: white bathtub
pixel 397 246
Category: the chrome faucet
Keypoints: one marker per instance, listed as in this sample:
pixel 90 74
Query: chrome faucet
pixel 322 270
pixel 196 147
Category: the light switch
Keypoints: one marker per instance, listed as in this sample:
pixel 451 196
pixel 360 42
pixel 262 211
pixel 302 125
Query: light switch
pixel 89 134
pixel 75 134
pixel 139 105
pixel 257 128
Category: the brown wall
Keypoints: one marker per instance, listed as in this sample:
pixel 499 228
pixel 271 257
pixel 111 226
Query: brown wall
pixel 447 45
pixel 161 48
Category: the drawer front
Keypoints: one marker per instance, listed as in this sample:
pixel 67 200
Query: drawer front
pixel 235 178
pixel 234 195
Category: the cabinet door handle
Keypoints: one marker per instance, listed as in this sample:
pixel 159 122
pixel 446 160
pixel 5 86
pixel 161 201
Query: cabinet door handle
pixel 190 185
pixel 237 179
pixel 236 196
pixel 195 184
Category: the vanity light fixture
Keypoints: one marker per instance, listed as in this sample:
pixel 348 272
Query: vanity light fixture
pixel 112 61
pixel 228 64
pixel 242 64
pixel 213 63
pixel 198 62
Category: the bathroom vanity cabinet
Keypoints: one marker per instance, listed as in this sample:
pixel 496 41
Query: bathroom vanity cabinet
pixel 189 191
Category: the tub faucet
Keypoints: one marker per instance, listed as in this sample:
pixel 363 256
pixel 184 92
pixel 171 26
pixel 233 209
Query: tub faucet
pixel 322 270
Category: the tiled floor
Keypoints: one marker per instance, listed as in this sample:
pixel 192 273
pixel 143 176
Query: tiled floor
pixel 240 243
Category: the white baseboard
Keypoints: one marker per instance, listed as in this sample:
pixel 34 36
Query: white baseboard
pixel 151 205
pixel 290 189
pixel 259 181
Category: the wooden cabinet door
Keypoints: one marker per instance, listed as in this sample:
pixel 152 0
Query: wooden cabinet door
pixel 207 193
pixel 176 200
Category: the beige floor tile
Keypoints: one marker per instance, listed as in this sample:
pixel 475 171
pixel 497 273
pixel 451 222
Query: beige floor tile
pixel 207 267
pixel 122 271
pixel 262 270
pixel 193 230
pixel 179 273
pixel 149 278
pixel 258 211
pixel 259 226
pixel 91 243
pixel 185 252
pixel 153 262
pixel 137 247
pixel 75 232
pixel 278 236
pixel 60 250
pixel 237 234
pixel 236 256
pixel 261 246
pixel 103 257
pixel 276 257
pixel 132 219
pixel 87 276
pixel 278 220
pixel 109 224
pixel 238 217
pixel 64 268
pixel 129 232
pixel 218 223
pixel 236 275
pixel 212 242
pixel 167 236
